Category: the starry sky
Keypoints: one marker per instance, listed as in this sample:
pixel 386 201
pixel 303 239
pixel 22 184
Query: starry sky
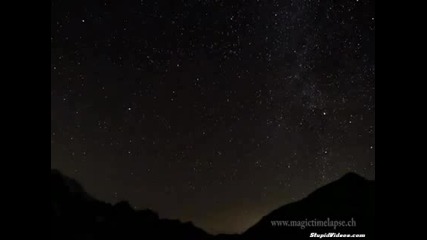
pixel 212 111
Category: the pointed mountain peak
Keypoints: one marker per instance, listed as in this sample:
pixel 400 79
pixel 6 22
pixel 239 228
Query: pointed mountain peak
pixel 351 176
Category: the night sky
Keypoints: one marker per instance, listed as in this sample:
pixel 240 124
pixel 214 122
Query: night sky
pixel 212 111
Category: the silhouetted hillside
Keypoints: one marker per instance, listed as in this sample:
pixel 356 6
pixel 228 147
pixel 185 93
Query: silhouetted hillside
pixel 351 197
pixel 76 215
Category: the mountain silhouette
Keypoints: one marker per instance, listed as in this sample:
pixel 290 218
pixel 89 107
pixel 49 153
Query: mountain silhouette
pixel 349 198
pixel 77 215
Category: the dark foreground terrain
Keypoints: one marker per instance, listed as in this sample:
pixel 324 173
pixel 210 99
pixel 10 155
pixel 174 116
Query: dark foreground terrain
pixel 76 215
